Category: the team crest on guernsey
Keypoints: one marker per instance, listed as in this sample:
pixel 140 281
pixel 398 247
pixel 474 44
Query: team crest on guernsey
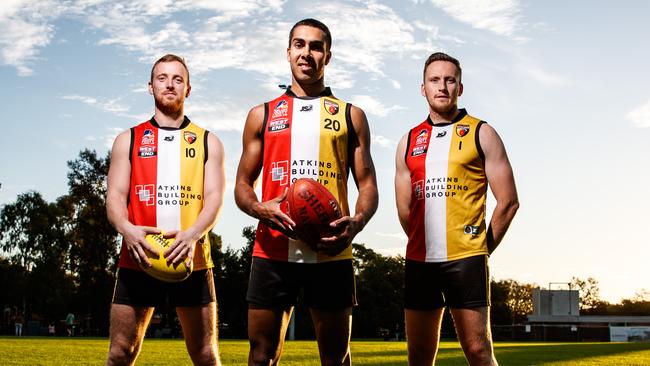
pixel 148 137
pixel 281 109
pixel 189 136
pixel 462 130
pixel 331 107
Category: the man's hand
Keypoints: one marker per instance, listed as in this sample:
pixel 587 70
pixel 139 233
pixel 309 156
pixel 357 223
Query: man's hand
pixel 182 248
pixel 269 212
pixel 346 228
pixel 136 244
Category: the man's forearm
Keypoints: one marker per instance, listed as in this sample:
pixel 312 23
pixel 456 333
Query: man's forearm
pixel 246 199
pixel 501 219
pixel 366 205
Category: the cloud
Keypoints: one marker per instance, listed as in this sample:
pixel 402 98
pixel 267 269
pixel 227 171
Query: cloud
pixel 113 106
pixel 251 35
pixel 373 106
pixel 544 77
pixel 398 235
pixel 497 16
pixel 247 35
pixel 108 138
pixel 24 30
pixel 217 116
pixel 382 141
pixel 640 116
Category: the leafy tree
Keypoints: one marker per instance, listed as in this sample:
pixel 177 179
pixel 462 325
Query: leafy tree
pixel 94 244
pixel 515 296
pixel 32 232
pixel 499 311
pixel 232 269
pixel 379 292
pixel 589 293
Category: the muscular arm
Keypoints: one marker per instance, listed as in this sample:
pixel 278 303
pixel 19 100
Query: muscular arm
pixel 214 185
pixel 363 171
pixel 248 171
pixel 502 183
pixel 119 178
pixel 402 185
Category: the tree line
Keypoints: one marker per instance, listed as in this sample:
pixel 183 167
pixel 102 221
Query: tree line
pixel 60 257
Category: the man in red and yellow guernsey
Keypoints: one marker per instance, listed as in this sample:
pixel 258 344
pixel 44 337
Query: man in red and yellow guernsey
pixel 304 133
pixel 444 166
pixel 165 174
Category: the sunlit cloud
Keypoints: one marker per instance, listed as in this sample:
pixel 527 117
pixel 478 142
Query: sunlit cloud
pixel 640 116
pixel 373 106
pixel 497 16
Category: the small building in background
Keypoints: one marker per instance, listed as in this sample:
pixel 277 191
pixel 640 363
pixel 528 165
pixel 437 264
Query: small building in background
pixel 556 317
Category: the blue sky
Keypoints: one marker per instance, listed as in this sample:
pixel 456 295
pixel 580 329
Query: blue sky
pixel 564 83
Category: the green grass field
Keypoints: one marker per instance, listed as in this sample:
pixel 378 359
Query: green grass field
pixel 92 351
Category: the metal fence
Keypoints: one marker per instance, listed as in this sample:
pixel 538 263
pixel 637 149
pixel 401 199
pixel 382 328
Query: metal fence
pixel 551 332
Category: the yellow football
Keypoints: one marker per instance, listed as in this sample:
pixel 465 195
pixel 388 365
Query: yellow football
pixel 160 269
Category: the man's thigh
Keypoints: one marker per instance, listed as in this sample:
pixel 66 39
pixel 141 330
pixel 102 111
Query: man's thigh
pixel 423 334
pixel 333 329
pixel 128 324
pixel 473 329
pixel 199 326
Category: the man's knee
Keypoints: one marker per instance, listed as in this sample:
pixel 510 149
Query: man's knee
pixel 122 353
pixel 263 352
pixel 203 354
pixel 334 360
pixel 479 352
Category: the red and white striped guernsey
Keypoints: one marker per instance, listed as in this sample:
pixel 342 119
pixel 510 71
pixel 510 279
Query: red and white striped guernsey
pixel 303 138
pixel 448 190
pixel 166 189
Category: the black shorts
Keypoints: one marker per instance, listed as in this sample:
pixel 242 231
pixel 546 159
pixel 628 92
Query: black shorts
pixel 277 284
pixel 459 284
pixel 136 288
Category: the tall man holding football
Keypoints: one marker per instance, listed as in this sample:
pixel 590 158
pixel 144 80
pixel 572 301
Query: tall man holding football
pixel 165 174
pixel 443 168
pixel 304 133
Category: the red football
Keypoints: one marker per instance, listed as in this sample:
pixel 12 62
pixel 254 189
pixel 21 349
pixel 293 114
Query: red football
pixel 312 207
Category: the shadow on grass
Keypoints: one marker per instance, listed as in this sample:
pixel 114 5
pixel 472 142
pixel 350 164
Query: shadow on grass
pixel 521 354
pixel 528 354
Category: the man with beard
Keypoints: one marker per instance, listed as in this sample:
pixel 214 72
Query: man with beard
pixel 443 168
pixel 165 174
pixel 304 133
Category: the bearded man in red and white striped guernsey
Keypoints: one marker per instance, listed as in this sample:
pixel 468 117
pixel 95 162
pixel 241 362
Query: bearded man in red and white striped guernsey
pixel 166 174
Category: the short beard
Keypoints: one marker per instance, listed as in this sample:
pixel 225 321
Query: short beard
pixel 169 109
pixel 443 111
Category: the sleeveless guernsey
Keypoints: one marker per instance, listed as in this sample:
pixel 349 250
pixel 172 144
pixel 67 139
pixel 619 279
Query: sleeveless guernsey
pixel 303 138
pixel 166 189
pixel 448 191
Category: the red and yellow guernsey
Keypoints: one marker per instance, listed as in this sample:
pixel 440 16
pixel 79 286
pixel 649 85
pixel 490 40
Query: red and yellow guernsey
pixel 303 138
pixel 166 189
pixel 448 190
